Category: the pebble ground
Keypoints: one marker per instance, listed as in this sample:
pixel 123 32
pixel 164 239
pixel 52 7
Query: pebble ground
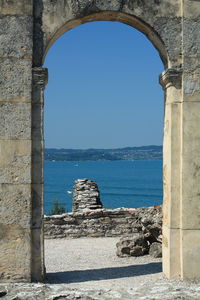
pixel 88 269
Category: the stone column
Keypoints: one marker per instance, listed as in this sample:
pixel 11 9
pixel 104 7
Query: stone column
pixel 190 139
pixel 171 81
pixel 40 77
pixel 16 35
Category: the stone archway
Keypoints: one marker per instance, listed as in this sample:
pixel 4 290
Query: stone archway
pixel 29 28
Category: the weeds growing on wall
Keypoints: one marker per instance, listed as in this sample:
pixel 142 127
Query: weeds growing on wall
pixel 58 208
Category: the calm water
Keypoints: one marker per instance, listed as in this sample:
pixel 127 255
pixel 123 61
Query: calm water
pixel 121 183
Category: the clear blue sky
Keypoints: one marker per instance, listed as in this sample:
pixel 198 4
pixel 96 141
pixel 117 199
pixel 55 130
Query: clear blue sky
pixel 103 89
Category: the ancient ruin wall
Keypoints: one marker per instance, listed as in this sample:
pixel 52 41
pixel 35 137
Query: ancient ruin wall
pixel 86 195
pixel 104 223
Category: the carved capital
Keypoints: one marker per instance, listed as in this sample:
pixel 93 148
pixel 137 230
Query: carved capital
pixel 40 76
pixel 171 77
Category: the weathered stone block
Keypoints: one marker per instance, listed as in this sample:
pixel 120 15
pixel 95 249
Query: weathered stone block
pixel 37 148
pixel 15 205
pixel 15 161
pixel 15 121
pixel 192 85
pixel 15 253
pixel 37 122
pixel 155 250
pixel 15 80
pixel 171 158
pixel 191 9
pixel 171 252
pixel 20 7
pixel 37 170
pixel 153 7
pixel 37 205
pixel 191 38
pixel 135 245
pixel 190 254
pixel 170 30
pixel 16 36
pixel 38 268
pixel 191 166
pixel 37 161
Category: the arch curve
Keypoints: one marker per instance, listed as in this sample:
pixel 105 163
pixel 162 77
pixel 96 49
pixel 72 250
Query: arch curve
pixel 114 16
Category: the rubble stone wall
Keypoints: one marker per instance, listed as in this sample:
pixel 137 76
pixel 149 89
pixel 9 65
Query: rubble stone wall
pixel 105 223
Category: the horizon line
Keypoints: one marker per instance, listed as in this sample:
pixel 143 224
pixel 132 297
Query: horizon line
pixel 91 148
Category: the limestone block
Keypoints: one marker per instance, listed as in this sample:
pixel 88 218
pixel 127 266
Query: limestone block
pixel 19 7
pixel 190 254
pixel 171 165
pixel 16 36
pixel 37 148
pixel 37 121
pixel 191 38
pixel 37 170
pixel 173 95
pixel 191 66
pixel 37 205
pixel 171 252
pixel 192 85
pixel 170 31
pixel 38 269
pixel 191 9
pixel 15 80
pixel 153 7
pixel 37 161
pixel 15 205
pixel 15 161
pixel 15 121
pixel 15 253
pixel 191 166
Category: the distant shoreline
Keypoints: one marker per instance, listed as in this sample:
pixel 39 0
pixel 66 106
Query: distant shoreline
pixel 129 153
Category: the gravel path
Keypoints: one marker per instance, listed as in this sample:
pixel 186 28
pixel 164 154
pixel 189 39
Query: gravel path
pixel 88 269
pixel 92 262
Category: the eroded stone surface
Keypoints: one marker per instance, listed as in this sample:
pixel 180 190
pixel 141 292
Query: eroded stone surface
pixel 161 289
pixel 86 195
pixel 105 222
pixel 155 250
pixel 135 245
pixel 15 79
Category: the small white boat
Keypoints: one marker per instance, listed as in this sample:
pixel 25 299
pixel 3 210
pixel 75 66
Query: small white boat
pixel 69 192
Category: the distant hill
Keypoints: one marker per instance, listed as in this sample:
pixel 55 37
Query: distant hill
pixel 128 153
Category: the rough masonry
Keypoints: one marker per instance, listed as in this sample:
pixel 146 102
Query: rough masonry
pixel 27 30
pixel 86 195
pixel 106 223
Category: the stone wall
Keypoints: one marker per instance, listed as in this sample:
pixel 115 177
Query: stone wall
pixel 86 195
pixel 105 223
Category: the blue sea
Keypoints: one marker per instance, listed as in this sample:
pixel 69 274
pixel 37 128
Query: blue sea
pixel 121 183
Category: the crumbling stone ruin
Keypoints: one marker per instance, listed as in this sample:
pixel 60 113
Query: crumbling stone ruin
pixel 86 195
pixel 106 223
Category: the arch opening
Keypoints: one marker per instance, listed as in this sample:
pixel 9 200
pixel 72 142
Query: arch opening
pixel 113 16
pixel 70 188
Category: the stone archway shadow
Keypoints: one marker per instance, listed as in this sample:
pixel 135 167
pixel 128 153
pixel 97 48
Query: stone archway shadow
pixel 79 276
